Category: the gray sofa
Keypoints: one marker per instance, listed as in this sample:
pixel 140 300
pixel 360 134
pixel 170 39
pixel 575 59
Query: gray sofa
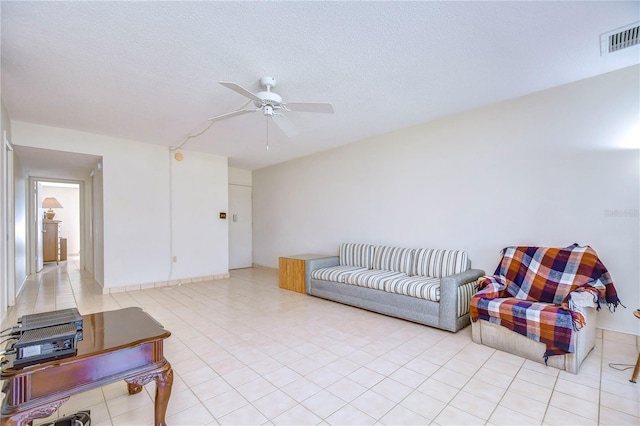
pixel 426 286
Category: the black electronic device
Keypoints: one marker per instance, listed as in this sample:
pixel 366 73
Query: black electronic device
pixel 50 319
pixel 81 418
pixel 45 344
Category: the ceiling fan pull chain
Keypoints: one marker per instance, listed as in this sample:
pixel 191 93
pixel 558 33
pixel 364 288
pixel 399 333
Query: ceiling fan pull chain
pixel 267 117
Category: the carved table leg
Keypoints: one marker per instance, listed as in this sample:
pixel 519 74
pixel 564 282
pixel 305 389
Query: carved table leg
pixel 164 381
pixel 26 417
pixel 133 388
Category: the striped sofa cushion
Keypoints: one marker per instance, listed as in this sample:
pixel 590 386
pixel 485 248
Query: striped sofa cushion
pixel 335 273
pixel 392 259
pixel 421 287
pixel 465 292
pixel 356 255
pixel 439 263
pixel 372 278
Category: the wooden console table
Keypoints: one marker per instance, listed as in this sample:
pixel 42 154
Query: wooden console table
pixel 125 344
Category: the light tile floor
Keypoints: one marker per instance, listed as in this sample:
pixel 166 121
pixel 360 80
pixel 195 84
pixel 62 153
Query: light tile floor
pixel 245 352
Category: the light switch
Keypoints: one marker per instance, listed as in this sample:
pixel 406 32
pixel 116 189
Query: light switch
pixel 235 217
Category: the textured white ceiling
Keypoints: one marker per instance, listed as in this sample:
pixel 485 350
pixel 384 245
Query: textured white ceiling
pixel 148 71
pixel 59 164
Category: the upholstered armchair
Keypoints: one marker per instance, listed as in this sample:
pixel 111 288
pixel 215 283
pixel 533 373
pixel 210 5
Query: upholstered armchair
pixel 541 304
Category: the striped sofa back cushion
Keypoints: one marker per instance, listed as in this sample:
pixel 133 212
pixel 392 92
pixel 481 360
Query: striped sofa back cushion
pixel 439 263
pixel 356 255
pixel 393 259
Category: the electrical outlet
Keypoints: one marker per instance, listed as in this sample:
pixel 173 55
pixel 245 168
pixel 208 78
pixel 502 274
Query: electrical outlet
pixel 175 259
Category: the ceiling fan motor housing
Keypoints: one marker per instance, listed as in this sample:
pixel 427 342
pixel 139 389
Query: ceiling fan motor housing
pixel 268 98
pixel 268 82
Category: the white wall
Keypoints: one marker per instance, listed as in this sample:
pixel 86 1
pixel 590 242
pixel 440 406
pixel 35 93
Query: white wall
pixel 200 237
pixel 20 202
pixel 239 177
pixel 546 169
pixel 136 193
pixel 5 216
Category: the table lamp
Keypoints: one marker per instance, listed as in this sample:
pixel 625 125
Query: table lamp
pixel 50 203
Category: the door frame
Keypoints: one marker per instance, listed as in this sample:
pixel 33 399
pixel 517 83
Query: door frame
pixel 32 230
pixel 7 249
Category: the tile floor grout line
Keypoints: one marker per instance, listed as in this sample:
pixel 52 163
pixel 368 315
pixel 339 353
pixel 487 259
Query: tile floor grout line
pixel 507 388
pixel 553 390
pixel 600 377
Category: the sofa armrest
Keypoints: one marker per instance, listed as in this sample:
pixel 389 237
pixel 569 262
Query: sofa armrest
pixel 314 264
pixel 449 295
pixel 583 299
pixel 452 282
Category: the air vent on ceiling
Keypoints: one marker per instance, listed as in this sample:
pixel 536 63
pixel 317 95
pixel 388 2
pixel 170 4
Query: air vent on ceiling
pixel 620 38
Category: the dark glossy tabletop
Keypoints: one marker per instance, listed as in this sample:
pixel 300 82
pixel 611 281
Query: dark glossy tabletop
pixel 105 332
pixel 112 330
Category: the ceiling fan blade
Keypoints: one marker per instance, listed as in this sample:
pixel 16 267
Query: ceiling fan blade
pixel 285 125
pixel 239 89
pixel 231 114
pixel 310 107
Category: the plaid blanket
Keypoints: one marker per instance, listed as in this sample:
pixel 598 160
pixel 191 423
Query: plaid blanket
pixel 530 293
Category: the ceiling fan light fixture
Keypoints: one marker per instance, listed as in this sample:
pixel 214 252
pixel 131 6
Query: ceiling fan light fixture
pixel 272 105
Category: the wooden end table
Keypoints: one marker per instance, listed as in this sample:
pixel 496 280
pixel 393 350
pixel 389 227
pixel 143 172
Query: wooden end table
pixel 292 270
pixel 125 344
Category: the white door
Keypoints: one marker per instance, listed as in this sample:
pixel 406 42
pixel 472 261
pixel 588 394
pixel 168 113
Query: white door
pixel 240 227
pixel 39 227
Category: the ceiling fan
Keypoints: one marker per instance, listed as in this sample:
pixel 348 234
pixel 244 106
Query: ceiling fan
pixel 271 105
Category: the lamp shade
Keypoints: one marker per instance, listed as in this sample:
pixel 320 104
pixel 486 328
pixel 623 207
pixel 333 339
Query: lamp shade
pixel 51 203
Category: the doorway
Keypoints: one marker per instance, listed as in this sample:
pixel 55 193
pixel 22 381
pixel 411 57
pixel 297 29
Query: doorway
pixel 33 165
pixel 64 220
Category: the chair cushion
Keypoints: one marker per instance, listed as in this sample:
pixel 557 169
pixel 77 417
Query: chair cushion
pixel 372 278
pixel 439 263
pixel 540 321
pixel 335 273
pixel 392 259
pixel 356 255
pixel 427 288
